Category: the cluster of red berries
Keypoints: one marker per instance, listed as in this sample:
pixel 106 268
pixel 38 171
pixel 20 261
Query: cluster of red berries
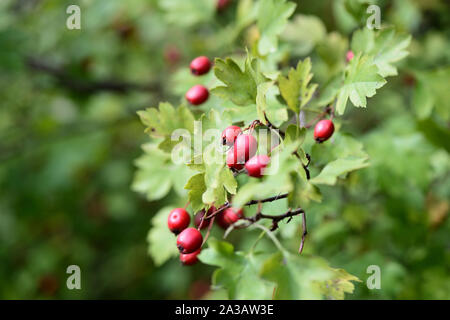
pixel 198 93
pixel 190 240
pixel 242 152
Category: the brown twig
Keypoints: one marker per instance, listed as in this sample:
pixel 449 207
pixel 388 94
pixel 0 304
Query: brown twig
pixel 88 86
pixel 209 230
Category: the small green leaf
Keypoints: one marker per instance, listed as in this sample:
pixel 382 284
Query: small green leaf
pixel 163 122
pixel 295 89
pixel 272 19
pixel 161 242
pixel 240 86
pixel 157 174
pixel 361 81
pixel 196 187
pixel 334 169
pixel 305 277
pixel 238 273
pixel 385 46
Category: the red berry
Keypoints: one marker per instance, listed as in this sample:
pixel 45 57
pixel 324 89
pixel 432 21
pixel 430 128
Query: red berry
pixel 230 134
pixel 188 259
pixel 189 240
pixel 349 56
pixel 198 218
pixel 323 130
pixel 244 148
pixel 200 65
pixel 232 160
pixel 197 95
pixel 178 220
pixel 223 4
pixel 228 217
pixel 256 165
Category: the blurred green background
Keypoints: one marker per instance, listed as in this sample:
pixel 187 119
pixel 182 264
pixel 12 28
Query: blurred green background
pixel 69 136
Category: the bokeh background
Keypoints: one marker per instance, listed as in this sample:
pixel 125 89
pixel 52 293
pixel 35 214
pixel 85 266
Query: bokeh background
pixel 69 136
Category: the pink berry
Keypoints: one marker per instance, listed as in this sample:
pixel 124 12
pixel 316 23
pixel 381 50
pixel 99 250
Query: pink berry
pixel 189 240
pixel 256 165
pixel 349 55
pixel 197 95
pixel 198 218
pixel 232 160
pixel 323 130
pixel 200 65
pixel 228 217
pixel 244 148
pixel 188 259
pixel 178 220
pixel 230 134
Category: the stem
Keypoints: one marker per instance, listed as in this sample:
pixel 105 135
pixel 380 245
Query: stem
pixel 273 238
pixel 209 230
pixel 252 202
pixel 304 233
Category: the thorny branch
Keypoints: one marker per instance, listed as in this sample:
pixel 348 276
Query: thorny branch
pixel 259 215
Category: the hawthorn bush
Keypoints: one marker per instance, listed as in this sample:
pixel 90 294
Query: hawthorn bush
pixel 331 151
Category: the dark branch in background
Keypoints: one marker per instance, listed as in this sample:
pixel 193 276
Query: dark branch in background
pixel 88 86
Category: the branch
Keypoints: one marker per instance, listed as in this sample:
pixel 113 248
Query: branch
pixel 252 202
pixel 86 86
pixel 275 219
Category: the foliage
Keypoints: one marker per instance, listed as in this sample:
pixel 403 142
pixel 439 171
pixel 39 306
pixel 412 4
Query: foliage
pixel 70 141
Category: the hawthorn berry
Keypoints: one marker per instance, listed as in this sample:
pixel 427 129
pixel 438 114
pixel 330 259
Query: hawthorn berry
pixel 244 148
pixel 197 95
pixel 228 217
pixel 232 160
pixel 189 240
pixel 222 4
pixel 255 166
pixel 349 56
pixel 198 218
pixel 178 220
pixel 230 134
pixel 323 130
pixel 188 259
pixel 200 65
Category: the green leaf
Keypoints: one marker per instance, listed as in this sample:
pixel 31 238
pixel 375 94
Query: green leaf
pixel 241 86
pixel 302 277
pixel 313 31
pixel 272 19
pixel 161 242
pixel 343 155
pixel 361 81
pixel 188 13
pixel 295 89
pixel 157 174
pixel 431 93
pixel 165 120
pixel 196 186
pixel 334 169
pixel 385 46
pixel 238 273
pixel 261 104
